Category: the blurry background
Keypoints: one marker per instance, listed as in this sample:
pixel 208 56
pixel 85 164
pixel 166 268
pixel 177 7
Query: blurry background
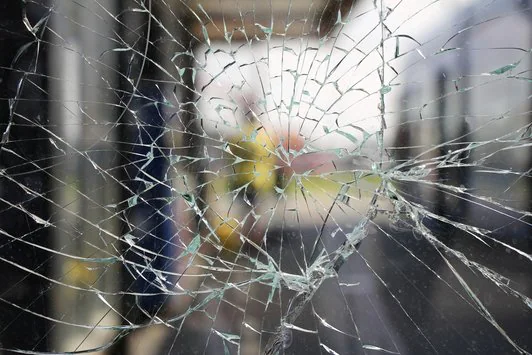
pixel 206 176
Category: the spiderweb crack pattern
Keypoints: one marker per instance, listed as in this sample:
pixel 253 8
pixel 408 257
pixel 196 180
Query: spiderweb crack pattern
pixel 266 177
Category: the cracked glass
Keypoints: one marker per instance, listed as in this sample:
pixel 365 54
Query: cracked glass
pixel 265 177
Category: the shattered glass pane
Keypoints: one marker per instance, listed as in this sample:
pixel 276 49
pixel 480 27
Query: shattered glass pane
pixel 242 176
